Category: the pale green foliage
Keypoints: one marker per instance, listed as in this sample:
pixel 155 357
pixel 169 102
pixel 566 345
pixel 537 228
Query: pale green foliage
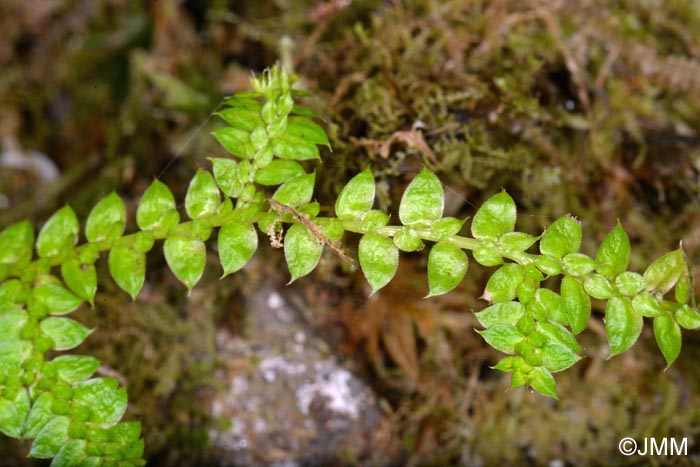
pixel 74 418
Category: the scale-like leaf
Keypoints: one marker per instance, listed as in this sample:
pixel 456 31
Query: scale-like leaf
pixel 501 313
pixel 306 130
pixel 203 196
pixel 357 197
pixel 379 260
pixel 423 200
pixel 561 238
pixel 128 269
pixel 663 273
pixel 622 324
pixel 668 337
pixel 503 283
pixel 80 278
pixel 495 217
pixel 186 258
pixel 237 243
pixel 301 250
pixel 614 253
pixel 447 266
pixel 56 299
pixel 577 304
pixel 297 191
pixel 157 208
pixel 106 220
pixel 59 234
pixel 234 140
pixel 278 171
pixel 64 332
pixel 17 242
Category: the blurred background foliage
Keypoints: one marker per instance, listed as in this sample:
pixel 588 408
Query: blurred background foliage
pixel 590 108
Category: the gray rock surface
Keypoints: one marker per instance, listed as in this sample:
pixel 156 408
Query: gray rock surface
pixel 287 401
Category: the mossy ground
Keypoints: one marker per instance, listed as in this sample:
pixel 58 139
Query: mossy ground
pixel 590 108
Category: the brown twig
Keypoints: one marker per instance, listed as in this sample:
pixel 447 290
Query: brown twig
pixel 314 228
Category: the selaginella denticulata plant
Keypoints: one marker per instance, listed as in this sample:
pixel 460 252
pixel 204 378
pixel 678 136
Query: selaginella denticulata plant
pixel 265 189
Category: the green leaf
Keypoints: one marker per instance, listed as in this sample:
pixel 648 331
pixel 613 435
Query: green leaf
pixel 15 351
pixel 542 381
pixel 379 260
pixel 297 191
pixel 501 313
pixel 278 171
pixel 107 403
pixel 561 238
pixel 13 412
pixel 186 258
pixel 526 290
pixel 487 254
pixel 614 253
pixel 245 101
pixel 11 322
pixel 74 368
pixel 80 278
pixel 157 208
pixel 71 454
pixel 245 118
pixel 17 242
pixel 291 147
pixel 683 289
pixel 447 266
pixel 622 324
pixel 59 234
pixel 64 332
pixel 125 432
pixel 446 227
pixel 577 304
pixel 577 264
pixel 506 364
pixel 663 273
pixel 39 415
pixel 50 439
pixel 503 337
pixel 357 197
pixel 202 197
pixel 303 111
pixel 237 243
pixel 226 175
pixel 548 265
pixel 107 219
pixel 557 357
pixel 423 201
pixel 301 250
pixel 668 337
pixel 555 332
pixel 495 218
pixel 630 283
pixel 128 269
pixel 374 220
pixel 688 317
pixel 599 287
pixel 407 239
pixel 503 283
pixel 553 305
pixel 646 305
pixel 332 228
pixel 56 299
pixel 515 242
pixel 234 140
pixel 306 130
